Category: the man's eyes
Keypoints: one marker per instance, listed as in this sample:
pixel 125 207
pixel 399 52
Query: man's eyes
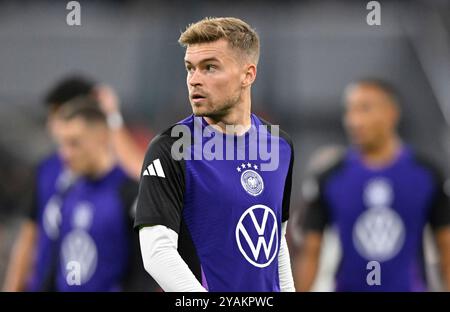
pixel 207 67
pixel 210 67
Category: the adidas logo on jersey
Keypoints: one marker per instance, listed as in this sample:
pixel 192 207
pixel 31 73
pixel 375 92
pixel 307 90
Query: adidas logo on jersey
pixel 155 169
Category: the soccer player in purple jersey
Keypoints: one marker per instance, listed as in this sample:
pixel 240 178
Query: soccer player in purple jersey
pixel 29 264
pixel 379 195
pixel 214 224
pixel 96 247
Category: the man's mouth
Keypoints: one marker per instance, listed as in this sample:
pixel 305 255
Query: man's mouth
pixel 197 97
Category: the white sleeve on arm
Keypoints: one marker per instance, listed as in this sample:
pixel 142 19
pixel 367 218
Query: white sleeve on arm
pixel 163 262
pixel 284 263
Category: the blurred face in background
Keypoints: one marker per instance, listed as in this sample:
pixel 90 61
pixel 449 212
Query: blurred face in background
pixel 53 123
pixel 370 116
pixel 216 77
pixel 82 143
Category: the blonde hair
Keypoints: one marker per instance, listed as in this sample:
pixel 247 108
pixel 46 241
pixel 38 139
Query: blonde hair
pixel 237 32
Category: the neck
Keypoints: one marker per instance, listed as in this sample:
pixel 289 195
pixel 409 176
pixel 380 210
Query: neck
pixel 382 154
pixel 104 164
pixel 238 117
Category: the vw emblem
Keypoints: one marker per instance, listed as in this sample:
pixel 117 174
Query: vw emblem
pixel 257 230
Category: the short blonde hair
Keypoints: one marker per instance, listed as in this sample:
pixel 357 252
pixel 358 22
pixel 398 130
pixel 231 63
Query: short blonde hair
pixel 237 32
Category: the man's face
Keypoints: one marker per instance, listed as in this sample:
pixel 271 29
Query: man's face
pixel 53 123
pixel 81 143
pixel 215 77
pixel 370 117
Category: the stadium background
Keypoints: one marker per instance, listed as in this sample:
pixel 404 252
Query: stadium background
pixel 310 50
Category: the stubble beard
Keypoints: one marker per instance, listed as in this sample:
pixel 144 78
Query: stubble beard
pixel 221 110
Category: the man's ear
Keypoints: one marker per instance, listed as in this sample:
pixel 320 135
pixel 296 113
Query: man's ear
pixel 249 75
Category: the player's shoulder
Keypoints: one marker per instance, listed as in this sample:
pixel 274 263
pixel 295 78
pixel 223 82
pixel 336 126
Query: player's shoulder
pixel 327 161
pixel 128 191
pixel 121 184
pixel 324 163
pixel 164 139
pixel 124 179
pixel 53 160
pixel 426 162
pixel 281 133
pixel 162 145
pixel 48 168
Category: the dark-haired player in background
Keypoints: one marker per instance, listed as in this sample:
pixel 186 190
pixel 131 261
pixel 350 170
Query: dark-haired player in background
pixel 96 243
pixel 379 195
pixel 29 264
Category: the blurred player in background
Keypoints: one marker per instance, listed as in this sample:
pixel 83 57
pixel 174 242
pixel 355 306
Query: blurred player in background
pixel 29 263
pixel 379 195
pixel 217 225
pixel 95 243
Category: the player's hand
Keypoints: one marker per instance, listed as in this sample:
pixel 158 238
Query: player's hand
pixel 108 99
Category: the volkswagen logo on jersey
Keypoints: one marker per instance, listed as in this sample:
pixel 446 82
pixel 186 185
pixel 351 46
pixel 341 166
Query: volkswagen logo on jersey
pixel 78 245
pixel 257 235
pixel 251 181
pixel 379 232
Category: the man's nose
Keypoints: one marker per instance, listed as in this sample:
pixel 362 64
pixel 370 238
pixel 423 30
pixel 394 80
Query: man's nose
pixel 195 78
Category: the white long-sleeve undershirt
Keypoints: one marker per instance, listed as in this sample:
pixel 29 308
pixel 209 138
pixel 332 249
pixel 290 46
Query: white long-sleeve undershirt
pixel 284 263
pixel 163 262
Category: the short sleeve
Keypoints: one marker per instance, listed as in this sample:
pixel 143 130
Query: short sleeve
pixel 316 216
pixel 324 164
pixel 288 187
pixel 440 208
pixel 31 210
pixel 136 278
pixel 439 211
pixel 161 187
pixel 128 194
